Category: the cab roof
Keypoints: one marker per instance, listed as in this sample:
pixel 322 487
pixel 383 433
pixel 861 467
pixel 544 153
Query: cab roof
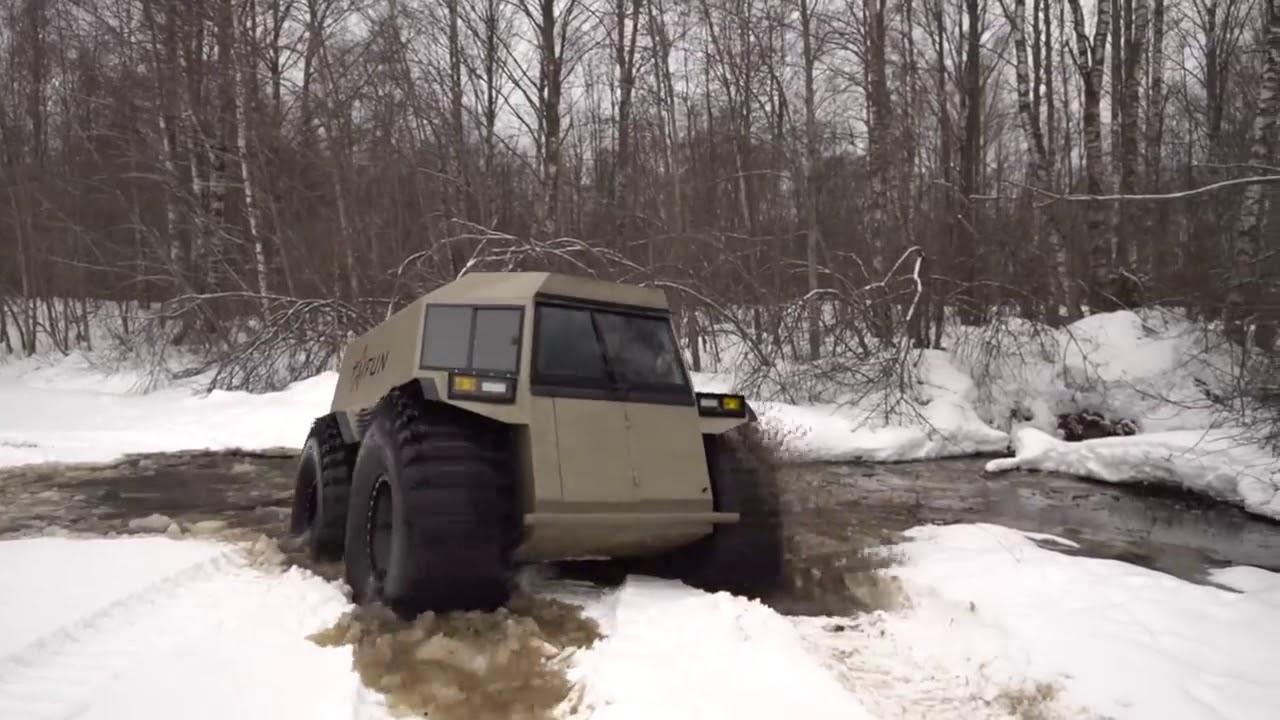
pixel 488 288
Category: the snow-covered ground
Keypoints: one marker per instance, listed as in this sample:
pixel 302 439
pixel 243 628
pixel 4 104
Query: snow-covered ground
pixel 1154 369
pixel 998 627
pixel 67 410
pixel 155 628
pixel 1219 462
pixel 670 651
pixel 999 608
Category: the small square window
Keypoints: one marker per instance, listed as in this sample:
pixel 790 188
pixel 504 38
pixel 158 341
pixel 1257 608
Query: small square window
pixel 496 343
pixel 447 336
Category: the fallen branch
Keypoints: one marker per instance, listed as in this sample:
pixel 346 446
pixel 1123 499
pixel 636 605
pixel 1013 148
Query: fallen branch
pixel 1204 190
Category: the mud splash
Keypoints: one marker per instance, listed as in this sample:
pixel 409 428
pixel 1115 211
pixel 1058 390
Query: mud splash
pixel 510 664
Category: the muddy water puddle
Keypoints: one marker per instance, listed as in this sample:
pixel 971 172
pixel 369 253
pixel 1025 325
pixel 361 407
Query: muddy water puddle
pixel 506 665
pixel 249 490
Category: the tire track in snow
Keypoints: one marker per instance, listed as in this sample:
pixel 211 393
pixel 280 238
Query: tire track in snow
pixel 143 595
pixel 50 676
pixel 187 637
pixel 867 657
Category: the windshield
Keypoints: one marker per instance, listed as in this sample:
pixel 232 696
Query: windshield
pixel 600 348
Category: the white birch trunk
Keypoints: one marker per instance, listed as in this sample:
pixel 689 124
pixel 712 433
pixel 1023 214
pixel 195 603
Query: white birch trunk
pixel 1248 230
pixel 246 170
pixel 1059 295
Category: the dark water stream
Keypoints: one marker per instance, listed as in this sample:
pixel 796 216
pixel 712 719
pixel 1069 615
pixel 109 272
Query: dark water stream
pixel 832 513
pixel 1170 531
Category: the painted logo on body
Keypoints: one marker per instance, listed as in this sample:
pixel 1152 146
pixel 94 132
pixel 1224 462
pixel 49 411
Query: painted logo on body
pixel 367 366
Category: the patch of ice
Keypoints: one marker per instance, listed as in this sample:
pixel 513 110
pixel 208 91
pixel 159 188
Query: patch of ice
pixel 151 523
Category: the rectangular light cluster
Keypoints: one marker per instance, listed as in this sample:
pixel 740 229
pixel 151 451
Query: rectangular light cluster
pixel 465 386
pixel 722 405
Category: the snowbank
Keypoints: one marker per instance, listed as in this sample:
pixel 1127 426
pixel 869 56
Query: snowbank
pixel 1153 367
pixel 936 419
pixel 69 411
pixel 1221 464
pixel 990 604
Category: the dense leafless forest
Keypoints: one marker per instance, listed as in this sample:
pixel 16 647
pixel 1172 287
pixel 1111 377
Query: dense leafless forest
pixel 260 170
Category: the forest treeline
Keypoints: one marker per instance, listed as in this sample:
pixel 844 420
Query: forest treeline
pixel 254 168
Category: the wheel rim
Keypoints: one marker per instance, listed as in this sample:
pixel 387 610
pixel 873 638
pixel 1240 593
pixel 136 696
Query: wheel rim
pixel 379 528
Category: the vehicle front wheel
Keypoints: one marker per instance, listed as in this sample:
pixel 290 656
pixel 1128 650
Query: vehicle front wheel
pixel 432 519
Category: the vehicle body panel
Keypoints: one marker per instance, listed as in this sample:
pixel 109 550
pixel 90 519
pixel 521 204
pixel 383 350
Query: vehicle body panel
pixel 378 361
pixel 595 455
pixel 667 455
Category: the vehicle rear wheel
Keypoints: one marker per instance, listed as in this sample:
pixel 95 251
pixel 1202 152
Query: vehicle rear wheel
pixel 744 558
pixel 321 489
pixel 432 523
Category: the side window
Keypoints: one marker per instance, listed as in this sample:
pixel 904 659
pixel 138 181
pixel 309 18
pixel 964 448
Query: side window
pixel 448 333
pixel 496 345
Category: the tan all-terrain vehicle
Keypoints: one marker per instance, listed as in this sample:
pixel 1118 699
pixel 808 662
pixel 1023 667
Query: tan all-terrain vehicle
pixel 510 418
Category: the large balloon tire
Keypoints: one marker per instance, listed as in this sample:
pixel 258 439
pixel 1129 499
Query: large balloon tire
pixel 433 520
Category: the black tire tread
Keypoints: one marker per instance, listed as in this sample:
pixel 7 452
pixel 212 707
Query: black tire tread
pixel 336 462
pixel 457 486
